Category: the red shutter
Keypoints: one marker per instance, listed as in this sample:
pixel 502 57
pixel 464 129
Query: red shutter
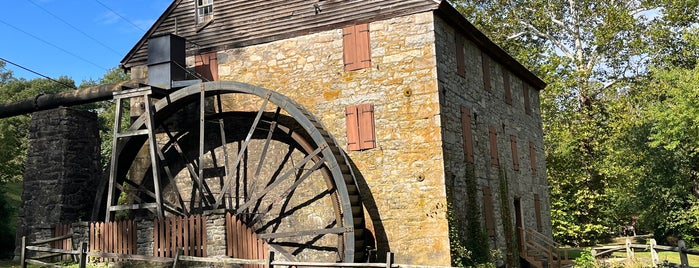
pixel 532 157
pixel 363 46
pixel 352 121
pixel 506 85
pixel 525 92
pixel 537 210
pixel 206 66
pixel 493 146
pixel 488 211
pixel 367 136
pixel 356 47
pixel 486 71
pixel 348 44
pixel 515 157
pixel 460 60
pixel 466 134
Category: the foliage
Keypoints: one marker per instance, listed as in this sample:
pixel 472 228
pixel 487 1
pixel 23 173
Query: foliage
pixel 591 53
pixel 106 111
pixel 471 248
pixel 14 130
pixel 585 260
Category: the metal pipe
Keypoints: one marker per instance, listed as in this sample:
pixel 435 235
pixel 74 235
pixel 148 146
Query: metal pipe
pixel 64 99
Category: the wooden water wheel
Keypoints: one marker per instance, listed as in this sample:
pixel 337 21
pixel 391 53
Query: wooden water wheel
pixel 249 151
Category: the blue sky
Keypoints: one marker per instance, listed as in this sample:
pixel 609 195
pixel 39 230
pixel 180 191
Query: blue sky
pixel 80 39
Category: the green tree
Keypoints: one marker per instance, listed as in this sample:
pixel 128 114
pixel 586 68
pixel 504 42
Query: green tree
pixel 106 111
pixel 590 52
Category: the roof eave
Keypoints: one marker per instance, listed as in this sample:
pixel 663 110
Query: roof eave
pixel 449 13
pixel 148 33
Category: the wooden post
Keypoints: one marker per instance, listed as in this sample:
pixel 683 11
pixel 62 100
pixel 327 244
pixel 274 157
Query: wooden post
pixel 653 253
pixel 23 253
pixel 389 259
pixel 683 254
pixel 83 255
pixel 180 251
pixel 270 259
pixel 629 251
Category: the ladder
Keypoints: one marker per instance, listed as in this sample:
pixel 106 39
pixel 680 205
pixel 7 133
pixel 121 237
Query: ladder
pixel 147 93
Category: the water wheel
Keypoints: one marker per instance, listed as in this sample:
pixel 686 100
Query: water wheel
pixel 256 154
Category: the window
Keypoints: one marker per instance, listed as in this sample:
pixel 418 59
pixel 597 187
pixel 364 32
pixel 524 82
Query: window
pixel 205 10
pixel 525 93
pixel 493 135
pixel 360 127
pixel 356 46
pixel 488 211
pixel 485 60
pixel 532 157
pixel 206 66
pixel 506 86
pixel 466 134
pixel 537 210
pixel 460 61
pixel 515 157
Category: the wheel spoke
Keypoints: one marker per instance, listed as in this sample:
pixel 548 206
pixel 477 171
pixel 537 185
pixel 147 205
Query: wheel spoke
pixel 190 166
pixel 279 180
pixel 243 147
pixel 263 154
pixel 338 230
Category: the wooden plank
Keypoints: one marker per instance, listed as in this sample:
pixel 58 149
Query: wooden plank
pixel 185 237
pixel 467 134
pixel 352 126
pixel 128 256
pixel 156 230
pixel 197 235
pixel 229 235
pixel 241 238
pixel 39 242
pixel 91 235
pixel 192 238
pixel 492 134
pixel 337 230
pixel 52 250
pixel 204 238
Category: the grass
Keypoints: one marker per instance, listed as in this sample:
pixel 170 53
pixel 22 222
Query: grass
pixel 672 257
pixel 13 196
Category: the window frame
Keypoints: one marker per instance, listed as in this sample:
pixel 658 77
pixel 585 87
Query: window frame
pixel 208 6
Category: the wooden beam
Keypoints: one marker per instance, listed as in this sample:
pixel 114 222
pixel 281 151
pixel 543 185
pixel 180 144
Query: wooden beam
pixel 338 230
pixel 279 179
pixel 244 146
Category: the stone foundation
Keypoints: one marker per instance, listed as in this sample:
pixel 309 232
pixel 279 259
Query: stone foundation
pixel 62 171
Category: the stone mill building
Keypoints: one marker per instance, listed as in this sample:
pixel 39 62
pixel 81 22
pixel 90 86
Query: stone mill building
pixel 432 126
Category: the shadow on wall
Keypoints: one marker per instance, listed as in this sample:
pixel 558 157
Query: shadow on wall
pixel 379 239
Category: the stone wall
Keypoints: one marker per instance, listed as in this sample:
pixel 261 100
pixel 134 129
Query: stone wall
pixel 489 109
pixel 402 179
pixel 61 172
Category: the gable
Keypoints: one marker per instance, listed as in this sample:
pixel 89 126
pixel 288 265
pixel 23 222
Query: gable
pixel 242 23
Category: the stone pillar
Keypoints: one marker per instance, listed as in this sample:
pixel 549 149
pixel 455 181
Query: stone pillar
pixel 61 173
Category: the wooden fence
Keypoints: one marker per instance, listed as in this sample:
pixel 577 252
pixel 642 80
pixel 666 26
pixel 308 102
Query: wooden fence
pixel 186 233
pixel 63 230
pixel 36 247
pixel 243 243
pixel 113 237
pixel 681 249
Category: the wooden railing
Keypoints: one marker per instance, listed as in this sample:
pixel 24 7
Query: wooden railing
pixel 534 241
pixel 36 247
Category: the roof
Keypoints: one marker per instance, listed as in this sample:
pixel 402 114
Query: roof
pixel 240 23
